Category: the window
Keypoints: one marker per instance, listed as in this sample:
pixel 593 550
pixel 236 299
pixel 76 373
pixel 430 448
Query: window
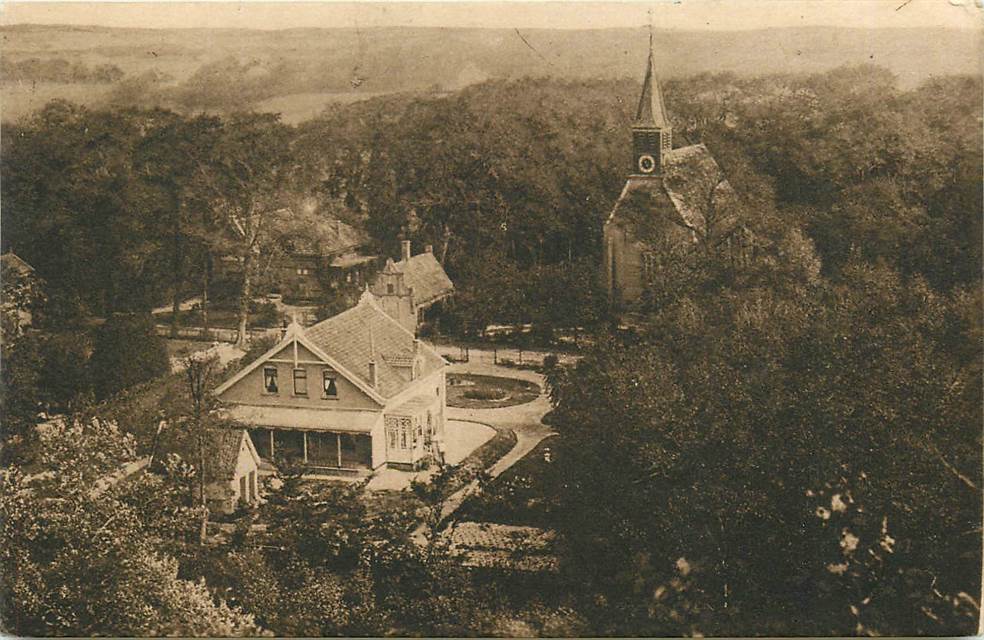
pixel 300 382
pixel 303 271
pixel 270 379
pixel 389 288
pixel 429 431
pixel 403 437
pixel 650 265
pixel 392 438
pixel 330 389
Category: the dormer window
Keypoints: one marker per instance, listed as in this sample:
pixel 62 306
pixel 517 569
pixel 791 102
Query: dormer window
pixel 270 379
pixel 329 386
pixel 300 382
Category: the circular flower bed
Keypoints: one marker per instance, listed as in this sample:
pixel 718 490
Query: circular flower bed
pixel 469 391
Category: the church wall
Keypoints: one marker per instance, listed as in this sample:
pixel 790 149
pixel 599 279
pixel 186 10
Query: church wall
pixel 622 254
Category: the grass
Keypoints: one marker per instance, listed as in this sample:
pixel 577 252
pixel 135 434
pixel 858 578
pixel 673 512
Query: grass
pixel 217 318
pixel 468 391
pixel 525 494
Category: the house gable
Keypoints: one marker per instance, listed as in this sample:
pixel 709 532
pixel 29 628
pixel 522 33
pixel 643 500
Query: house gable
pixel 296 351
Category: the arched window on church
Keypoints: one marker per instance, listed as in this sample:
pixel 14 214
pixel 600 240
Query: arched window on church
pixel 650 263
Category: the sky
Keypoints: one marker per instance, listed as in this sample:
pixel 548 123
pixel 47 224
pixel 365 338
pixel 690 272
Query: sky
pixel 666 14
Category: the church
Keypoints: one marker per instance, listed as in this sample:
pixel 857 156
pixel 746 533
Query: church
pixel 674 201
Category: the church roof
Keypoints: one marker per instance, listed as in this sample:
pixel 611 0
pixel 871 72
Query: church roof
pixel 366 332
pixel 427 277
pixel 691 188
pixel 651 111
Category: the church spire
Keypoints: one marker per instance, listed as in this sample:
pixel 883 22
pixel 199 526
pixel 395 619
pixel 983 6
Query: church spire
pixel 651 132
pixel 651 112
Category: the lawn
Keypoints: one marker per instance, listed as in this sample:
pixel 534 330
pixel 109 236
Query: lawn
pixel 217 318
pixel 525 494
pixel 180 348
pixel 467 391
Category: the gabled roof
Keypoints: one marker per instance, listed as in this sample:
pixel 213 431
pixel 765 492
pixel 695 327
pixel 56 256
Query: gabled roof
pixel 692 182
pixel 427 277
pixel 651 111
pixel 295 332
pixel 332 237
pixel 222 447
pixel 348 341
pixel 10 260
pixel 366 333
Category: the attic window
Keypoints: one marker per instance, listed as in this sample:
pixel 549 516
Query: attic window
pixel 389 288
pixel 330 388
pixel 300 382
pixel 270 379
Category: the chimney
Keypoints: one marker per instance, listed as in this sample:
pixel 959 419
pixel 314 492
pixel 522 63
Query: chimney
pixel 429 248
pixel 406 249
pixel 338 227
pixel 372 373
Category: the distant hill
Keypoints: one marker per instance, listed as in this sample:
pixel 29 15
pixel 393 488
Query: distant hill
pixel 299 71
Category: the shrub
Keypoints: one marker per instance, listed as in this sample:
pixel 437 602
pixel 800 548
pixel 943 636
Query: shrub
pixel 550 361
pixel 65 370
pixel 264 314
pixel 127 351
pixel 257 347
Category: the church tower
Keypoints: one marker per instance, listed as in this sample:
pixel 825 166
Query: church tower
pixel 651 132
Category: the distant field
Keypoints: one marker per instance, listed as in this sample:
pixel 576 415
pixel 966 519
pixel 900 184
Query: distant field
pixel 298 72
pixel 298 107
pixel 18 100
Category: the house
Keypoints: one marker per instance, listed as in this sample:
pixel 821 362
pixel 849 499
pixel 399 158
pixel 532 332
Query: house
pixel 22 294
pixel 231 470
pixel 355 392
pixel 408 288
pixel 310 266
pixel 674 200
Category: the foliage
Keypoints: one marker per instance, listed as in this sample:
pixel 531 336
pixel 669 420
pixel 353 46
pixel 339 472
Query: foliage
pixel 257 347
pixel 80 564
pixel 760 434
pixel 126 351
pixel 20 386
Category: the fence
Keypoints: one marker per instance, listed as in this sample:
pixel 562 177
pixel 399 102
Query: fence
pixel 501 356
pixel 214 334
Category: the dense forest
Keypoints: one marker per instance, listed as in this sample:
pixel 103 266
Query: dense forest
pixel 790 445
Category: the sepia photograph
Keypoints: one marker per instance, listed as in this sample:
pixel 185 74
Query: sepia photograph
pixel 491 319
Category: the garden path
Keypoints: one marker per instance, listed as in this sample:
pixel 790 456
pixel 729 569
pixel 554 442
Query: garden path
pixel 523 419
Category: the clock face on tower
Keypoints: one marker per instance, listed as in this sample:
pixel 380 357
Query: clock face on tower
pixel 647 164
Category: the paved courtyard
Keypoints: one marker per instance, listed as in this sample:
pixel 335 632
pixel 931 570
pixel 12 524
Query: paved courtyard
pixel 461 438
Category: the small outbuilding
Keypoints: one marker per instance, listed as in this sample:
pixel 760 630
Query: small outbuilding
pixel 232 468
